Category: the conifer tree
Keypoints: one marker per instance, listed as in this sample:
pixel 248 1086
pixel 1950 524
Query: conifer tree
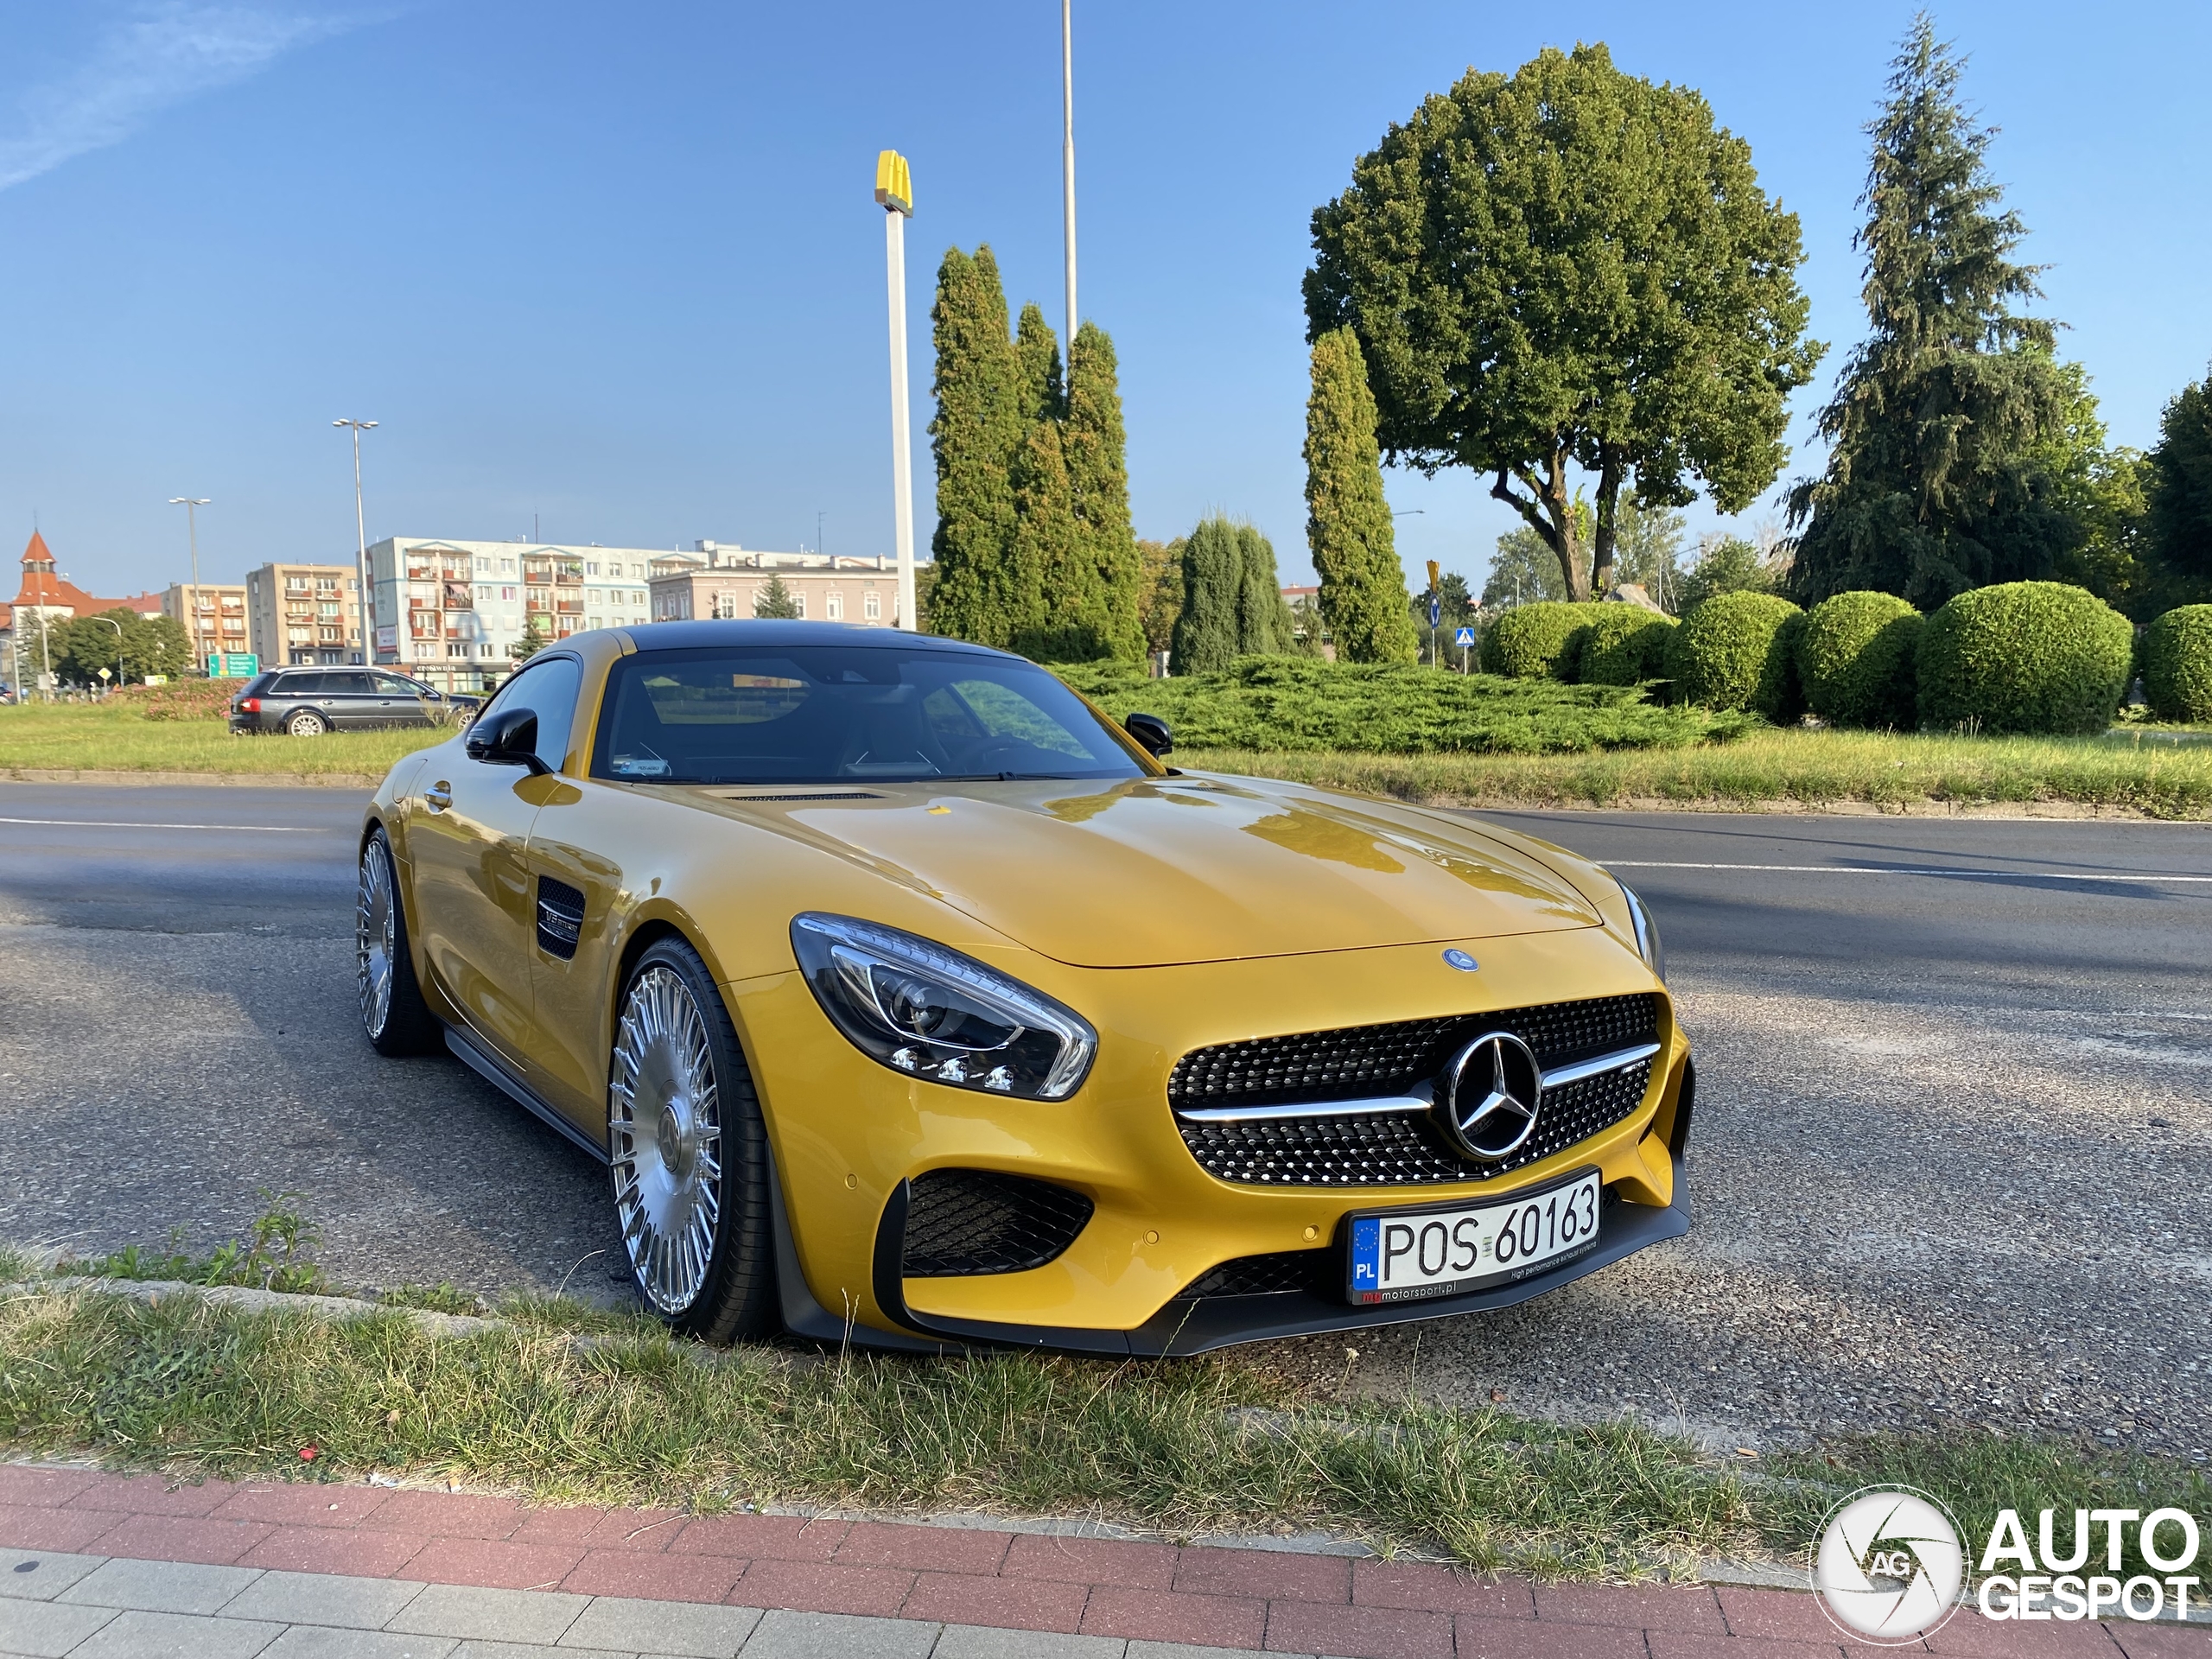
pixel 1049 561
pixel 1935 481
pixel 2180 486
pixel 1043 396
pixel 1207 638
pixel 1111 590
pixel 1363 599
pixel 1264 627
pixel 776 602
pixel 974 436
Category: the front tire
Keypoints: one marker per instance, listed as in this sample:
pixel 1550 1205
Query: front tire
pixel 394 1016
pixel 306 723
pixel 688 1153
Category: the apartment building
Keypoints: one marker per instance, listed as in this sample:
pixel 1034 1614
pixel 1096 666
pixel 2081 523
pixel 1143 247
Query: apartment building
pixel 304 613
pixel 450 612
pixel 212 614
pixel 728 581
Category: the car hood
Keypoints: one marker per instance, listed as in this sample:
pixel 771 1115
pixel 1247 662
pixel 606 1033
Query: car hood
pixel 1194 868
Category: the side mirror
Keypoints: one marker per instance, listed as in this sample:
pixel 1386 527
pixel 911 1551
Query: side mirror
pixel 1151 733
pixel 508 739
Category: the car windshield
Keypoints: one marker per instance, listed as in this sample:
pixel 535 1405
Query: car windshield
pixel 758 715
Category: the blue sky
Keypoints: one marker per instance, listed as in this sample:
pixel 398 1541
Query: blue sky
pixel 616 266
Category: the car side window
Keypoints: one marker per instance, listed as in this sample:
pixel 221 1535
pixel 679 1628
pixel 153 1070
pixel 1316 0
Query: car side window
pixel 350 684
pixel 298 685
pixel 548 688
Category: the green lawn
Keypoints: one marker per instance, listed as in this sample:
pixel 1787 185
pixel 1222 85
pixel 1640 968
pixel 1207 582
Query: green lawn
pixel 2164 772
pixel 568 1405
pixel 119 737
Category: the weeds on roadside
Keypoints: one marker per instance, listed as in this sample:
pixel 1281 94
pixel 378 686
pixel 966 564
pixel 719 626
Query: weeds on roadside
pixel 279 1254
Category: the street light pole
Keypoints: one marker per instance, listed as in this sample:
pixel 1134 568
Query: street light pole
pixel 894 189
pixel 361 531
pixel 117 626
pixel 1067 154
pixel 192 504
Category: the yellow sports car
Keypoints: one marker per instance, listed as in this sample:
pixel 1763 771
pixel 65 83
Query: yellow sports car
pixel 906 994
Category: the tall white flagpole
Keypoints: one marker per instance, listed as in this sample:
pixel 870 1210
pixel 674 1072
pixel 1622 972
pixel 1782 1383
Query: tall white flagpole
pixel 1067 154
pixel 894 189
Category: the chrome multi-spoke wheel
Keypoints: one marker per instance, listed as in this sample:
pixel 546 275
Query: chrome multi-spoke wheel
pixel 393 1013
pixel 665 1119
pixel 376 938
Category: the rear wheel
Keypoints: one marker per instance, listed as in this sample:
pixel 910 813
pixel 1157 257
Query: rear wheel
pixel 688 1153
pixel 305 723
pixel 396 1019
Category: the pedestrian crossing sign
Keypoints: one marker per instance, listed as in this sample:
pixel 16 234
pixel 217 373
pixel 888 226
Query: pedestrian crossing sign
pixel 1463 637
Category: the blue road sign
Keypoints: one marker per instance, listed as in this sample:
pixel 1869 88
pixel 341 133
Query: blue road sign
pixel 1435 610
pixel 1465 637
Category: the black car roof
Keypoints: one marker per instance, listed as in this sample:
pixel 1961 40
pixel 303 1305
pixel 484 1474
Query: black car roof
pixel 758 631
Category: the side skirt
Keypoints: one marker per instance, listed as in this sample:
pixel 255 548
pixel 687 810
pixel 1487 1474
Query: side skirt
pixel 492 1070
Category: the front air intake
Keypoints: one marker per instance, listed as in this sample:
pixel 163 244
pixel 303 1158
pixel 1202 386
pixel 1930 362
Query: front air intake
pixel 964 1221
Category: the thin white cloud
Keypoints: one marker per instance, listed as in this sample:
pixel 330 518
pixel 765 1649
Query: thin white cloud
pixel 157 56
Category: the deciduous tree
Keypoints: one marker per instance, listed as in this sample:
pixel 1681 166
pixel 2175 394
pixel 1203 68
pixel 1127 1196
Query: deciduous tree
pixel 1569 267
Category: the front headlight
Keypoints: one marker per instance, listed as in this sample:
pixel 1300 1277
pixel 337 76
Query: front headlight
pixel 920 1009
pixel 1647 933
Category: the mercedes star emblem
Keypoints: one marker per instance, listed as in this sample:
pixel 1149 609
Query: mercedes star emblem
pixel 1490 1097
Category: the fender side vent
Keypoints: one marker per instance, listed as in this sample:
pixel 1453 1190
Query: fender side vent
pixel 964 1221
pixel 1262 1275
pixel 560 918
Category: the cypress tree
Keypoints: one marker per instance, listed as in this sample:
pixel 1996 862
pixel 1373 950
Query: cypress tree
pixel 1111 588
pixel 2181 484
pixel 1206 634
pixel 974 436
pixel 1364 598
pixel 1935 482
pixel 1048 553
pixel 1264 627
pixel 1037 348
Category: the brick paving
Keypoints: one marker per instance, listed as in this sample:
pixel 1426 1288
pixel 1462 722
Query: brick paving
pixel 94 1564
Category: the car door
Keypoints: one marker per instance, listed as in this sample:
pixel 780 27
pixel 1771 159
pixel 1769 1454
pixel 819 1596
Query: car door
pixel 468 832
pixel 348 699
pixel 402 702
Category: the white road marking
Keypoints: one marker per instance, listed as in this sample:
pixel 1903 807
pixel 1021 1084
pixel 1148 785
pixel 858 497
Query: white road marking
pixel 1880 869
pixel 111 823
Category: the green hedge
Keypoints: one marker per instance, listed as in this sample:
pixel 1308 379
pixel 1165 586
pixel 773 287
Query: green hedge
pixel 1855 660
pixel 1539 641
pixel 2177 663
pixel 1622 645
pixel 1737 651
pixel 2037 658
pixel 1304 703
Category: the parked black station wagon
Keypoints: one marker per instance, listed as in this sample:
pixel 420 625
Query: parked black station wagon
pixel 308 702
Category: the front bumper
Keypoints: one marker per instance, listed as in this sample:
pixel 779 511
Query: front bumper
pixel 848 1135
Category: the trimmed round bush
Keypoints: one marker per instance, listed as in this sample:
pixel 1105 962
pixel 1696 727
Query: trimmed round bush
pixel 2178 664
pixel 1539 641
pixel 1622 644
pixel 2037 658
pixel 1737 650
pixel 1855 660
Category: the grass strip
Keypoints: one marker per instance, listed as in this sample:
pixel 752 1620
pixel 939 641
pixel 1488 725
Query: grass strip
pixel 2150 773
pixel 118 736
pixel 633 1415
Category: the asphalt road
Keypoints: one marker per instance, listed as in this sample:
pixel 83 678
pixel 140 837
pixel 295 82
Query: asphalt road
pixel 1953 1136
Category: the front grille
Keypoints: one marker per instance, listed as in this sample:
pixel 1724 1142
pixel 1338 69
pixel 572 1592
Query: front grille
pixel 1359 1060
pixel 560 918
pixel 1400 1148
pixel 961 1222
pixel 1261 1276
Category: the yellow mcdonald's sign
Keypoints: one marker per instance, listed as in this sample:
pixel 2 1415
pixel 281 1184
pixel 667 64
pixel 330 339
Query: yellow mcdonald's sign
pixel 894 182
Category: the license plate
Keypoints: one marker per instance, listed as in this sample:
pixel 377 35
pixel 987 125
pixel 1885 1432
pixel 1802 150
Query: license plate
pixel 1399 1255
